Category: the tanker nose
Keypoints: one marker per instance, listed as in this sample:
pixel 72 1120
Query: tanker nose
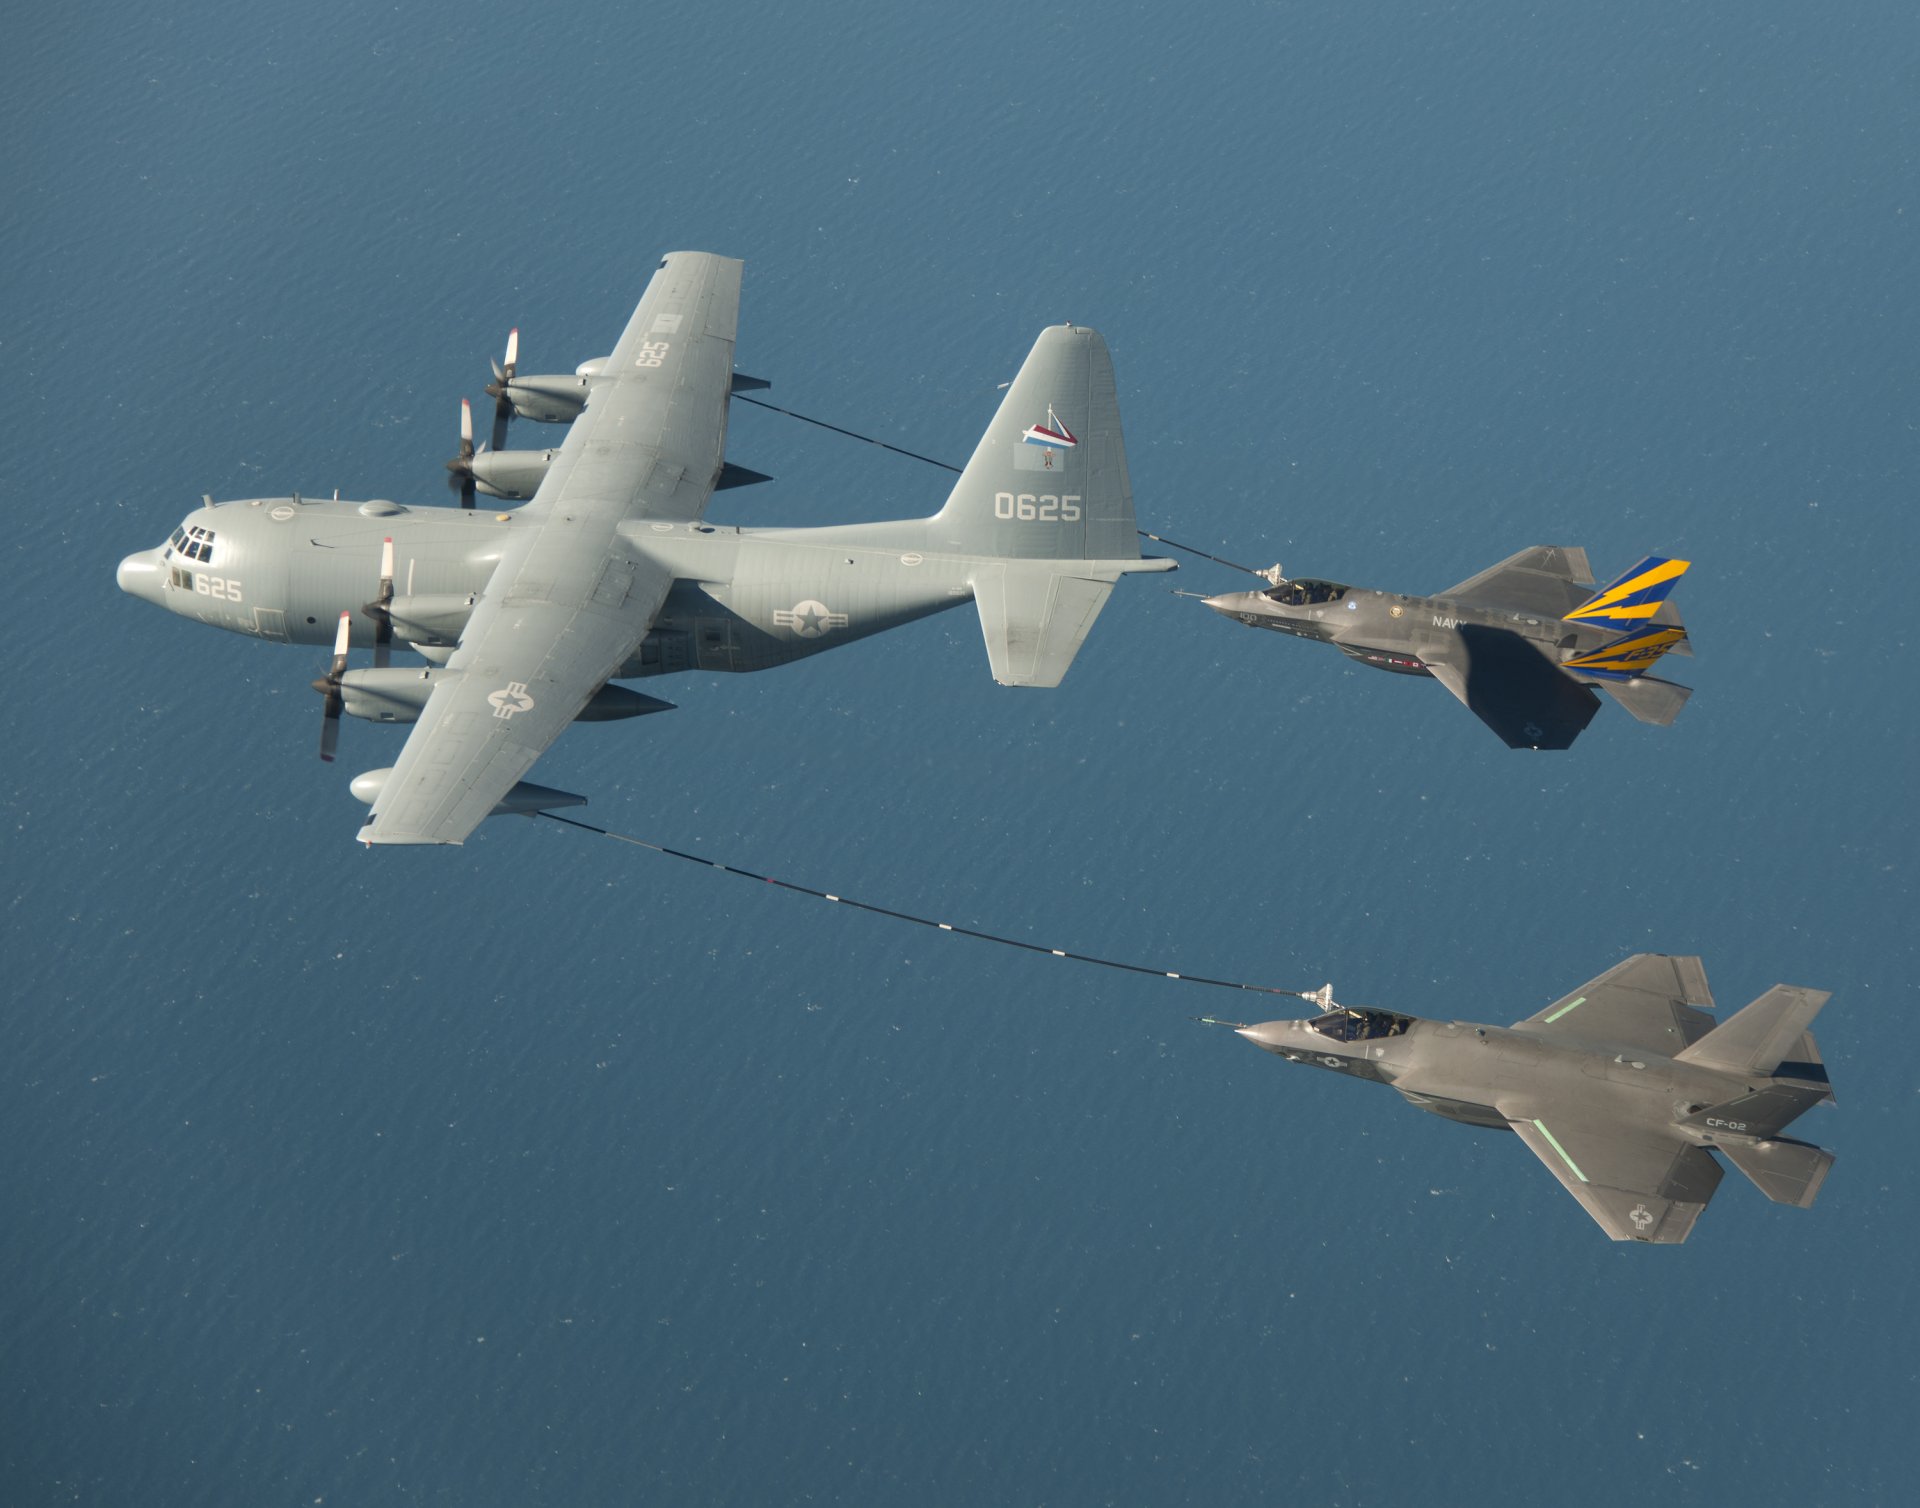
pixel 139 576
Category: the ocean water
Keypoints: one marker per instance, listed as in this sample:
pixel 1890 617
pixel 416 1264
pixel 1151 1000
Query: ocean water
pixel 549 1170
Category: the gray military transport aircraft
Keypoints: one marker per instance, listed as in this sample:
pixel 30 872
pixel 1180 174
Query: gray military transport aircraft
pixel 1623 1088
pixel 1523 644
pixel 526 618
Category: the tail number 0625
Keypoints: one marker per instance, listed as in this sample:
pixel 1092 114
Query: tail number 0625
pixel 1041 507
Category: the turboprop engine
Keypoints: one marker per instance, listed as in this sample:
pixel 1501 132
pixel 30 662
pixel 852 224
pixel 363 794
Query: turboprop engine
pixel 510 474
pixel 500 473
pixel 547 399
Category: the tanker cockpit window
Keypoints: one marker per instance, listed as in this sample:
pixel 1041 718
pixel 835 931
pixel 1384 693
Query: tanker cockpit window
pixel 193 543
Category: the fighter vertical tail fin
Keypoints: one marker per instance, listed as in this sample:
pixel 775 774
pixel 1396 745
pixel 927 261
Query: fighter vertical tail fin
pixel 1630 656
pixel 1756 1038
pixel 1634 600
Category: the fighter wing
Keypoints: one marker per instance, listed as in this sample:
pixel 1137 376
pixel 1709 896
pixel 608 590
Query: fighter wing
pixel 525 667
pixel 1641 1183
pixel 1645 1002
pixel 1512 687
pixel 1549 581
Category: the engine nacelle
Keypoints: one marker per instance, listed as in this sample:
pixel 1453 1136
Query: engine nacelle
pixel 592 368
pixel 511 473
pixel 432 617
pixel 548 400
pixel 398 694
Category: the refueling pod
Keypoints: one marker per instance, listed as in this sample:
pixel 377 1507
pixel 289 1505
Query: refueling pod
pixel 524 800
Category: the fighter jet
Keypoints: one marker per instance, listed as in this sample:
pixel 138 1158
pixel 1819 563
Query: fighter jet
pixel 1524 644
pixel 1623 1088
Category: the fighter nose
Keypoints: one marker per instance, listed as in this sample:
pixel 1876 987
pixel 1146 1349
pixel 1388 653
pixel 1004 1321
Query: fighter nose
pixel 139 576
pixel 1226 602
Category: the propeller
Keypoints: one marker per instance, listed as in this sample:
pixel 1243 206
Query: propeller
pixel 329 687
pixel 381 609
pixel 497 389
pixel 460 468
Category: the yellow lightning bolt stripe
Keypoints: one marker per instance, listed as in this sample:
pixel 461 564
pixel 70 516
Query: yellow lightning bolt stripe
pixel 1608 603
pixel 1643 650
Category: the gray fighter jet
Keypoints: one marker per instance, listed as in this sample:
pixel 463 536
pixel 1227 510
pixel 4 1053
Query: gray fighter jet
pixel 1523 644
pixel 526 618
pixel 1623 1088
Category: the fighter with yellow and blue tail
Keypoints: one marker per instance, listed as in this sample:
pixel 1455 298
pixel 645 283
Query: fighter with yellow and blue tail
pixel 1526 644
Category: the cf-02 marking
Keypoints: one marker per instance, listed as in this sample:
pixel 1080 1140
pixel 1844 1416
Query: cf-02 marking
pixel 510 698
pixel 809 619
pixel 1038 507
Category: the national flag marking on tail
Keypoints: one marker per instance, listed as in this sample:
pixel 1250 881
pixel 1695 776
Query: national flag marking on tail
pixel 1053 434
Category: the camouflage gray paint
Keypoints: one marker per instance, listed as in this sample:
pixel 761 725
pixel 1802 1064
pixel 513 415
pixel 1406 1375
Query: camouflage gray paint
pixel 1524 645
pixel 609 573
pixel 1623 1088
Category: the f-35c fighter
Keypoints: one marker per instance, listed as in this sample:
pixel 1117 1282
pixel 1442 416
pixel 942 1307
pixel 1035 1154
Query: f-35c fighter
pixel 1523 644
pixel 526 619
pixel 1623 1088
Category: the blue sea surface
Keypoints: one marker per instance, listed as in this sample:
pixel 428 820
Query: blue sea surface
pixel 551 1170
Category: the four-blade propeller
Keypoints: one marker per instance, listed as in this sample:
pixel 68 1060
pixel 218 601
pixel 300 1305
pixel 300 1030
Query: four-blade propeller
pixel 381 608
pixel 460 468
pixel 329 687
pixel 497 389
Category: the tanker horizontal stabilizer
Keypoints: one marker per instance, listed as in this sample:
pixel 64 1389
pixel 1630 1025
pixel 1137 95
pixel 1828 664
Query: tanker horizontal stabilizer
pixel 1035 621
